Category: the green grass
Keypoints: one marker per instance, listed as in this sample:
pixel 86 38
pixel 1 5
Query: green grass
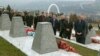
pixel 7 49
pixel 98 32
pixel 83 50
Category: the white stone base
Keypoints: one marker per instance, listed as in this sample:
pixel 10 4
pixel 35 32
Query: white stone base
pixel 25 44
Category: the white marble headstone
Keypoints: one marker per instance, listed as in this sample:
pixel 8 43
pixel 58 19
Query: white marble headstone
pixel 90 34
pixel 17 27
pixel 5 22
pixel 44 40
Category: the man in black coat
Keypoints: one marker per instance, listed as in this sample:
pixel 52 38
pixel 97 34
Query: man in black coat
pixel 62 26
pixel 68 26
pixel 90 27
pixel 39 18
pixel 24 19
pixel 80 27
pixel 98 26
pixel 11 14
pixel 29 20
pixel 0 12
pixel 36 20
pixel 55 23
pixel 48 17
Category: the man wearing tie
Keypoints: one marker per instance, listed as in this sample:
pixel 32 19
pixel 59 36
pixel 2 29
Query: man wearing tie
pixel 62 26
pixel 55 23
pixel 80 30
pixel 69 26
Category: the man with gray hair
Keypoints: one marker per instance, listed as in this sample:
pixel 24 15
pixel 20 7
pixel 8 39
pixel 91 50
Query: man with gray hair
pixel 80 27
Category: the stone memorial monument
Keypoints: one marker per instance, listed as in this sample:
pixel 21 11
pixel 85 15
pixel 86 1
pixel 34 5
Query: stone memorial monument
pixel 89 35
pixel 5 22
pixel 17 27
pixel 44 40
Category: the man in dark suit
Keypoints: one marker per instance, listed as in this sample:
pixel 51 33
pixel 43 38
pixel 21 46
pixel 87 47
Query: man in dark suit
pixel 48 17
pixel 39 18
pixel 68 26
pixel 98 26
pixel 80 30
pixel 42 17
pixel 36 20
pixel 10 13
pixel 24 18
pixel 29 20
pixel 90 27
pixel 55 23
pixel 62 26
pixel 0 12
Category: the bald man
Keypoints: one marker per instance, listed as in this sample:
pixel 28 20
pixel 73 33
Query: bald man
pixel 80 27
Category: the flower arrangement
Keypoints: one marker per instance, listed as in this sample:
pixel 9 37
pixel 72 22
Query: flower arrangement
pixel 29 31
pixel 65 46
pixel 95 39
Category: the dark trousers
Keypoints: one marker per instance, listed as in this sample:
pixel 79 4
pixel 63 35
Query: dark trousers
pixel 66 35
pixel 54 29
pixel 61 32
pixel 80 39
pixel 29 25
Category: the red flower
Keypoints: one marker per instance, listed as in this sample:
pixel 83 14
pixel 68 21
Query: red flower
pixel 65 46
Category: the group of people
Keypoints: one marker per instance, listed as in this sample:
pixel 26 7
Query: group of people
pixel 81 30
pixel 52 18
pixel 26 16
pixel 27 19
pixel 0 12
pixel 80 26
pixel 64 25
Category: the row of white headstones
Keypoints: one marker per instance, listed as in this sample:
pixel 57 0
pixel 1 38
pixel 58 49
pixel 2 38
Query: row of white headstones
pixel 44 40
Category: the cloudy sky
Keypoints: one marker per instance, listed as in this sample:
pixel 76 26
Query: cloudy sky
pixel 16 3
pixel 28 1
